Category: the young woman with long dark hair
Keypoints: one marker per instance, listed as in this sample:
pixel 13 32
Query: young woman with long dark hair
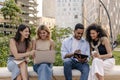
pixel 19 50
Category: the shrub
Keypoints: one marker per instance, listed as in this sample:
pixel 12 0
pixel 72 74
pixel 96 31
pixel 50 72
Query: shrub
pixel 58 34
pixel 4 51
pixel 118 39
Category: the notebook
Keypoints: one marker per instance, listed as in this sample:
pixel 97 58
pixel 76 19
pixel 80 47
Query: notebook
pixel 47 56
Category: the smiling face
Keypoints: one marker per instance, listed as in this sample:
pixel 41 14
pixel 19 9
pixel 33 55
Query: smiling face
pixel 43 34
pixel 25 33
pixel 93 34
pixel 78 33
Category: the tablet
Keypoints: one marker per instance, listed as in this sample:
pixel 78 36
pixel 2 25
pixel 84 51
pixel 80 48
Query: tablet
pixel 80 56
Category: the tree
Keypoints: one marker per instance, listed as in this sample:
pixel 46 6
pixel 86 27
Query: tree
pixel 33 31
pixel 4 51
pixel 11 11
pixel 58 34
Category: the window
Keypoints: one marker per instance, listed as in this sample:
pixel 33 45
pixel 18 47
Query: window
pixel 64 9
pixel 74 9
pixel 68 4
pixel 68 13
pixel 63 4
pixel 76 16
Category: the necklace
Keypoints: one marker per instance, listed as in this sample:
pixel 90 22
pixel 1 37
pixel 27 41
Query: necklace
pixel 95 46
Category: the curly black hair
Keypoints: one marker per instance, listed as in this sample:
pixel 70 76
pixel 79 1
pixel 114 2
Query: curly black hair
pixel 97 28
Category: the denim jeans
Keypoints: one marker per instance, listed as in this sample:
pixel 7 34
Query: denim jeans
pixel 44 71
pixel 70 64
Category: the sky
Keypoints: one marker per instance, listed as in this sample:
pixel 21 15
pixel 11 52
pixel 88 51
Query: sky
pixel 39 8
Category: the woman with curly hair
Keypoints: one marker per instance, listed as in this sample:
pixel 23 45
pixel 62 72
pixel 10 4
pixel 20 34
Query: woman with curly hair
pixel 103 60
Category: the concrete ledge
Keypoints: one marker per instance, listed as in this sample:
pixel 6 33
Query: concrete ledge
pixel 58 74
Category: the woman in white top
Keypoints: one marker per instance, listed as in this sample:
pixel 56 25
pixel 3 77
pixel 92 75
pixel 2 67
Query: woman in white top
pixel 103 60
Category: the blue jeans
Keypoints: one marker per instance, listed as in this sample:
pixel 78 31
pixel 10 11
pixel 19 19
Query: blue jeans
pixel 70 64
pixel 44 71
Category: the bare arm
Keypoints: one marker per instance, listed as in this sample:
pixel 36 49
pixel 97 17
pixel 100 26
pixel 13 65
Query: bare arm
pixel 52 45
pixel 14 51
pixel 108 48
pixel 33 44
pixel 30 47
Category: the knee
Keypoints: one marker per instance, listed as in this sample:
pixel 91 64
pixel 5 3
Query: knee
pixel 86 69
pixel 97 60
pixel 43 65
pixel 67 62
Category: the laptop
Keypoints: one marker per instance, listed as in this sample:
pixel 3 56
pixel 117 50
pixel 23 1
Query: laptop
pixel 47 56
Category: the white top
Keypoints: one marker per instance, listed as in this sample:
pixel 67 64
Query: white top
pixel 70 44
pixel 75 44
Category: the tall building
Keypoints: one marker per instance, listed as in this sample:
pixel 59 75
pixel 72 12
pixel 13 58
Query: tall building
pixel 28 16
pixel 50 22
pixel 90 11
pixel 95 12
pixel 29 11
pixel 68 12
pixel 47 16
pixel 48 8
pixel 4 29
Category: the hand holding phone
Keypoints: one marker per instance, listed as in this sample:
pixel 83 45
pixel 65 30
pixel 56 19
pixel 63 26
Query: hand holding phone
pixel 95 54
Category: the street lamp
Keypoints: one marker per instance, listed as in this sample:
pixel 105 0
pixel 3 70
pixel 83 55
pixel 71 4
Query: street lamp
pixel 114 44
pixel 108 19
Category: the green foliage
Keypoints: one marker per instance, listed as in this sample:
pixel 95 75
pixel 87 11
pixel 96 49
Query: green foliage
pixel 118 46
pixel 118 39
pixel 58 34
pixel 33 31
pixel 4 50
pixel 117 57
pixel 58 60
pixel 11 11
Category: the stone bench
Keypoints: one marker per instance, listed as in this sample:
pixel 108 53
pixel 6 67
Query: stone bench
pixel 58 74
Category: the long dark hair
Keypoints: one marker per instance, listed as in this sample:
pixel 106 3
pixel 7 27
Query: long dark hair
pixel 18 35
pixel 97 28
